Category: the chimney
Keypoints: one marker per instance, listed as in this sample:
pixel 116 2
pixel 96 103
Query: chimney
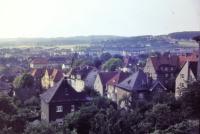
pixel 197 39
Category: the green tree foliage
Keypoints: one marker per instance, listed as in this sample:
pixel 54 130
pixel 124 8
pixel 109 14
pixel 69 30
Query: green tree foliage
pixel 118 56
pixel 162 114
pixel 11 121
pixel 105 56
pixel 23 81
pixel 40 128
pixel 190 100
pixel 112 64
pixel 97 62
pixel 6 105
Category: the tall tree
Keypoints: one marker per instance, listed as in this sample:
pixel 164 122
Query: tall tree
pixel 105 56
pixel 190 98
pixel 112 64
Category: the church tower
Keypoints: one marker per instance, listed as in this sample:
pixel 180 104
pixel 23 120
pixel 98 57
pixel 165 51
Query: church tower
pixel 197 39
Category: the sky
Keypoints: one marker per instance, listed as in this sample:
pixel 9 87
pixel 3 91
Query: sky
pixel 64 18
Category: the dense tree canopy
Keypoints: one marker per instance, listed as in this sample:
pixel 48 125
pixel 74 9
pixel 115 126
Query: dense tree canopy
pixel 23 81
pixel 105 56
pixel 112 64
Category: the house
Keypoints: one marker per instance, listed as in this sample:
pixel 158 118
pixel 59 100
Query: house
pixel 51 77
pixel 55 77
pixel 39 63
pixel 45 81
pixel 138 84
pixel 79 77
pixel 37 74
pixel 102 80
pixel 60 100
pixel 187 75
pixel 111 84
pixel 188 57
pixel 90 78
pixel 56 61
pixel 163 68
pixel 129 64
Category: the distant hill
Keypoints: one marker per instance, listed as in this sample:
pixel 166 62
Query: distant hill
pixel 184 35
pixel 104 40
pixel 58 41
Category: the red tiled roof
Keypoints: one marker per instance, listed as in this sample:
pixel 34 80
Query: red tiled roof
pixel 49 71
pixel 183 58
pixel 39 61
pixel 165 60
pixel 56 75
pixel 38 73
pixel 119 77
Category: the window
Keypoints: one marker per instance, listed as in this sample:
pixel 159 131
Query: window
pixel 72 108
pixel 182 75
pixel 166 75
pixel 172 68
pixel 166 69
pixel 181 84
pixel 59 109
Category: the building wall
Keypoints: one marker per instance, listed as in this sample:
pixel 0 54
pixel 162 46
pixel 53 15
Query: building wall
pixel 150 70
pixel 121 93
pixel 90 79
pixel 67 108
pixel 79 85
pixel 45 81
pixel 98 86
pixel 181 79
pixel 111 92
pixel 44 111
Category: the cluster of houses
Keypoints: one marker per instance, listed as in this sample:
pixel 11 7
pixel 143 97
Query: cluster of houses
pixel 165 73
pixel 64 91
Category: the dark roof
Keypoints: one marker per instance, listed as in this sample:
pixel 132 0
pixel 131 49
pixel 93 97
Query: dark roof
pixel 193 67
pixel 62 91
pixel 106 76
pixel 156 84
pixel 82 71
pixel 136 82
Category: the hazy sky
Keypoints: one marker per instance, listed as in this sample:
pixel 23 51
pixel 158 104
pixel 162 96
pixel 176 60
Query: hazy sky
pixel 56 18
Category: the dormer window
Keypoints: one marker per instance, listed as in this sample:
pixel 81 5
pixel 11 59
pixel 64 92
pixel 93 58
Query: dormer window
pixel 59 109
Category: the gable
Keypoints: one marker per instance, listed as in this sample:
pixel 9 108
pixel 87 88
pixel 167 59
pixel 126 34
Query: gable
pixel 62 91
